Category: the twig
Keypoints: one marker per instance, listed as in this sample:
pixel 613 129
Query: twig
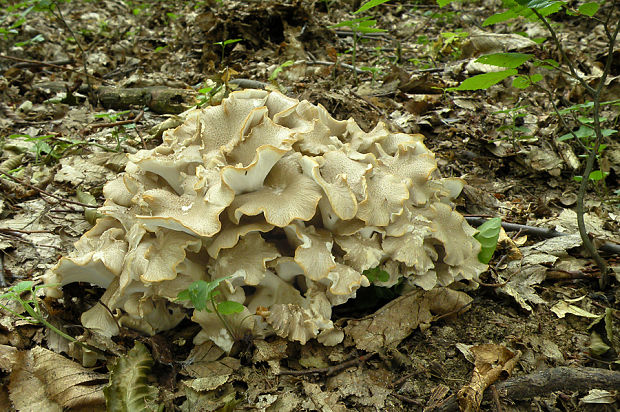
pixel 330 370
pixel 539 231
pixel 2 279
pixel 496 401
pixel 401 380
pixel 249 83
pixel 595 93
pixel 542 383
pixel 91 91
pixel 406 399
pixel 40 63
pixel 26 232
pixel 43 192
pixel 19 238
pixel 112 124
pixel 345 65
pixel 346 33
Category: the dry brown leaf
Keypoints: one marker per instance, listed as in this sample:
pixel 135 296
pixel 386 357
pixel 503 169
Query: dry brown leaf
pixel 387 327
pixel 491 362
pixel 204 362
pixel 8 357
pixel 45 381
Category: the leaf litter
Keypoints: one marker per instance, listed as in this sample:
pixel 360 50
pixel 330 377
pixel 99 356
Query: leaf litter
pixel 523 305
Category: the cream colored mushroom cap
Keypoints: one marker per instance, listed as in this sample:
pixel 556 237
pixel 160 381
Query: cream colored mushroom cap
pixel 247 259
pixel 287 195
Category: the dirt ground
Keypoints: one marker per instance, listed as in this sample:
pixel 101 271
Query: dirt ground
pixel 539 306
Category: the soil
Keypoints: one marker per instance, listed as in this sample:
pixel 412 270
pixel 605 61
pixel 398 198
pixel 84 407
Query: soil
pixel 514 162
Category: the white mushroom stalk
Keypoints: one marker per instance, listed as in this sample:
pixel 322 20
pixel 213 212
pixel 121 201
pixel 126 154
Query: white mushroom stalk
pixel 288 204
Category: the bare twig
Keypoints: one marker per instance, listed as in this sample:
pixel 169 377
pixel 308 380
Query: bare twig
pixel 406 399
pixel 345 65
pixel 43 192
pixel 84 55
pixel 112 124
pixel 595 94
pixel 330 370
pixel 539 231
pixel 40 63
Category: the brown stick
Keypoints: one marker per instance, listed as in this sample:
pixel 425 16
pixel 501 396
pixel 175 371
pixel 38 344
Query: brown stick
pixel 43 192
pixel 538 231
pixel 40 63
pixel 330 370
pixel 543 383
pixel 112 124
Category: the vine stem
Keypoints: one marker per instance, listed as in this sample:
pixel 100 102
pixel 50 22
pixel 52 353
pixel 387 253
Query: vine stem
pixel 595 93
pixel 221 318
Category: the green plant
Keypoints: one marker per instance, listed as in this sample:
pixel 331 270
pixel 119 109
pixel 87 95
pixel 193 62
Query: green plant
pixel 31 305
pixel 376 275
pixel 517 131
pixel 488 234
pixel 119 132
pixel 225 43
pixel 359 27
pixel 274 75
pixel 201 293
pixel 590 127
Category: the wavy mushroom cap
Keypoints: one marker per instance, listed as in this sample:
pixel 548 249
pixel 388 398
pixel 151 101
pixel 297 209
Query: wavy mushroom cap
pixel 285 203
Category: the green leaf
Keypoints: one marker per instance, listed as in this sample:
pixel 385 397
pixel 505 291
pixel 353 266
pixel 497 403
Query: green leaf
pixel 22 287
pixel 229 307
pixel 128 389
pixel 539 4
pixel 442 3
pixel 369 5
pixel 589 9
pixel 278 69
pixel 597 175
pixel 499 18
pixel 507 60
pixel 350 23
pixel 198 294
pixel 522 82
pixel 184 295
pixel 484 81
pixel 201 292
pixel 227 42
pixel 376 275
pixel 487 235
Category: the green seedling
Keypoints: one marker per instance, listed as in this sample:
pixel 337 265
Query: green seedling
pixel 277 70
pixel 359 27
pixel 225 43
pixel 119 132
pixel 516 130
pixel 202 293
pixel 488 234
pixel 24 293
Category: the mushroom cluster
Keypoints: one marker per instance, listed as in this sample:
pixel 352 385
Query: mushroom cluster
pixel 287 203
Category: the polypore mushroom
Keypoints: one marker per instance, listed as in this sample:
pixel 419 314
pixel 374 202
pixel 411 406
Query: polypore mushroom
pixel 285 205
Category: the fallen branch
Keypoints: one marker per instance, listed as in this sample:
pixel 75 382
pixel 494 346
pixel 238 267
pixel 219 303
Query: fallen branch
pixel 112 124
pixel 546 382
pixel 539 231
pixel 40 63
pixel 330 370
pixel 43 192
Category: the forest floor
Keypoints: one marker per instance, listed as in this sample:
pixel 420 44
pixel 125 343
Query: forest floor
pixel 539 305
